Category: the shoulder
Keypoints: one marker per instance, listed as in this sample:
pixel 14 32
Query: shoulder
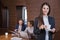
pixel 17 25
pixel 24 25
pixel 50 17
pixel 27 28
pixel 36 19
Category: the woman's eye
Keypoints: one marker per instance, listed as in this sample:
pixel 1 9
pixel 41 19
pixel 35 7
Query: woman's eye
pixel 47 8
pixel 43 8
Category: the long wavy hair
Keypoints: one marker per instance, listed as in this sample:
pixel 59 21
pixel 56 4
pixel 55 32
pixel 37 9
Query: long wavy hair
pixel 40 17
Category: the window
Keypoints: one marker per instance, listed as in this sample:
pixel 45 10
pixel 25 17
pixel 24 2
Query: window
pixel 24 14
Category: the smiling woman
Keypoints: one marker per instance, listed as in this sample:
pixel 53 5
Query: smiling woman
pixel 44 25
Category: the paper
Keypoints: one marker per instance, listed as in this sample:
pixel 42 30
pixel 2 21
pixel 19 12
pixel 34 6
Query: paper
pixel 48 27
pixel 16 38
pixel 23 34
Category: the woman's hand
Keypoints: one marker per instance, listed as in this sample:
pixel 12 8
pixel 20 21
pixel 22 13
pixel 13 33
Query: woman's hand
pixel 53 30
pixel 42 26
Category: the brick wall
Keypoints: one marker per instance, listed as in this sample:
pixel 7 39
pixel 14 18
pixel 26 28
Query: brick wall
pixel 33 8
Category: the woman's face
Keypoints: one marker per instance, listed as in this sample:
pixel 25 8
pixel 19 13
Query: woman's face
pixel 45 9
pixel 20 22
pixel 28 24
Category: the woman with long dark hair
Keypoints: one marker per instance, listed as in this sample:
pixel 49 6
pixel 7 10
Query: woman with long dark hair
pixel 19 27
pixel 44 25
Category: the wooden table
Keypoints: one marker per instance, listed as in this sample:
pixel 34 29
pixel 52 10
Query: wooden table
pixel 3 37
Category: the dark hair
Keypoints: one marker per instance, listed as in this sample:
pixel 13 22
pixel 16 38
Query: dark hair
pixel 40 17
pixel 31 22
pixel 21 20
pixel 45 3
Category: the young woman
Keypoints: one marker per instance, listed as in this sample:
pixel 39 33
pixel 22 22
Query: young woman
pixel 19 27
pixel 44 25
pixel 30 27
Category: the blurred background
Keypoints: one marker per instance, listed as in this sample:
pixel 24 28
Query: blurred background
pixel 12 10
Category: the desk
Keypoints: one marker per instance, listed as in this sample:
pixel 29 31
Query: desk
pixel 3 37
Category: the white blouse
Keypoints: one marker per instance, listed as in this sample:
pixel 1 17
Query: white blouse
pixel 46 22
pixel 29 29
pixel 19 29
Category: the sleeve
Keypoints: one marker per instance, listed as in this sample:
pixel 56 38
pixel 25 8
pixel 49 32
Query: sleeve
pixel 36 29
pixel 26 29
pixel 16 27
pixel 53 23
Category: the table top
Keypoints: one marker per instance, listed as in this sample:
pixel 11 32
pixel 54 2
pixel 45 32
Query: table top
pixel 4 37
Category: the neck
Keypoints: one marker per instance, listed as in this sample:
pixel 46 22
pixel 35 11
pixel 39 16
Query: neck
pixel 20 25
pixel 44 15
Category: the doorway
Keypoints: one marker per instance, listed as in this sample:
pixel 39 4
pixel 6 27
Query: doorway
pixel 21 13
